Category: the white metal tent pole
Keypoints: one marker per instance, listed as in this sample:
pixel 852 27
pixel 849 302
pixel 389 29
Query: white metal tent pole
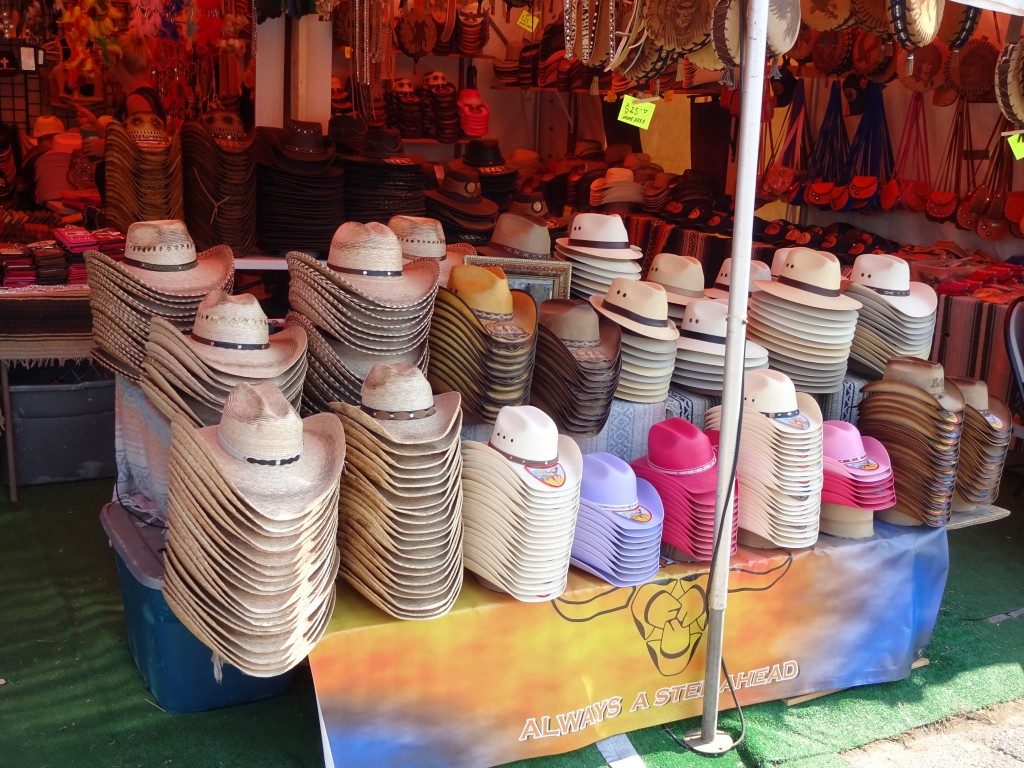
pixel 708 739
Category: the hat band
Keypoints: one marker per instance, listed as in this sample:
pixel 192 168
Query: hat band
pixel 227 344
pixel 694 471
pixel 630 315
pixel 517 253
pixel 367 272
pixel 493 317
pixel 833 292
pixel 304 150
pixel 855 459
pixel 889 291
pixel 422 413
pixel 598 244
pixel 780 414
pixel 234 453
pixel 684 292
pixel 160 267
pixel 703 337
pixel 524 462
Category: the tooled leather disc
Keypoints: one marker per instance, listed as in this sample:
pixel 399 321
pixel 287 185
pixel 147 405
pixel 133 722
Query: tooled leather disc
pixel 783 26
pixel 973 71
pixel 678 24
pixel 706 57
pixel 871 53
pixel 833 53
pixel 804 46
pixel 873 15
pixel 927 71
pixel 1009 85
pixel 826 15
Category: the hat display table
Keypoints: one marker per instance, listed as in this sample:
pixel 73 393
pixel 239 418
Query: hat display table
pixel 558 675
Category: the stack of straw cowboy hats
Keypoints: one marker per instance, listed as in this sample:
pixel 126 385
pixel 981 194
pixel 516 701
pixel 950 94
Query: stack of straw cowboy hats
pixel 619 526
pixel 521 494
pixel 483 342
pixel 143 171
pixel 192 374
pixel 779 464
pixel 918 415
pixel 682 465
pixel 640 309
pixel 804 321
pixel 219 170
pixel 598 249
pixel 897 316
pixel 984 443
pixel 400 528
pixel 161 275
pixel 700 350
pixel 251 555
pixel 577 367
pixel 858 480
pixel 363 307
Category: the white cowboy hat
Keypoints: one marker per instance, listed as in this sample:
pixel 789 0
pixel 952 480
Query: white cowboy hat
pixel 889 278
pixel 811 278
pixel 599 234
pixel 639 306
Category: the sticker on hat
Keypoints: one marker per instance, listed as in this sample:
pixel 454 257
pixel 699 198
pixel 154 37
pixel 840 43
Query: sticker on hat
pixel 552 475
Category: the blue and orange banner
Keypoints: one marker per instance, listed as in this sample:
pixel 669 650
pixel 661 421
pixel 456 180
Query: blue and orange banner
pixel 497 680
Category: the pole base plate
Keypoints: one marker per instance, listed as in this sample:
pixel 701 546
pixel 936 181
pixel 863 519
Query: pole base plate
pixel 719 745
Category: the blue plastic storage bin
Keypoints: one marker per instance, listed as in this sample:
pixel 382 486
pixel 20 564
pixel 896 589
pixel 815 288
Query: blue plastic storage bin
pixel 176 666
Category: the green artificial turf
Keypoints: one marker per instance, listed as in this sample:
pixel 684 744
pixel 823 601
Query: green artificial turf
pixel 73 697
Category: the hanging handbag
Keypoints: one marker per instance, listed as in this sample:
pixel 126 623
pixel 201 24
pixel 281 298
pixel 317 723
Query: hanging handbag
pixel 946 190
pixel 785 167
pixel 992 223
pixel 870 159
pixel 912 173
pixel 826 167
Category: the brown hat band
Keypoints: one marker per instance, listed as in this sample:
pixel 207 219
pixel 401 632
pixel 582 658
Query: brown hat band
pixel 524 462
pixel 367 272
pixel 160 267
pixel 630 315
pixel 422 413
pixel 809 287
pixel 227 344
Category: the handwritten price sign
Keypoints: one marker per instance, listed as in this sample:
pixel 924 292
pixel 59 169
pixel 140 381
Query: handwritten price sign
pixel 528 21
pixel 636 113
pixel 1017 145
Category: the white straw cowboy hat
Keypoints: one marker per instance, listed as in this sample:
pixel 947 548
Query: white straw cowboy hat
pixel 773 395
pixel 162 255
pixel 681 276
pixel 889 278
pixel 639 306
pixel 704 328
pixel 278 462
pixel 528 440
pixel 720 290
pixel 419 237
pixel 518 237
pixel 811 278
pixel 599 234
pixel 232 335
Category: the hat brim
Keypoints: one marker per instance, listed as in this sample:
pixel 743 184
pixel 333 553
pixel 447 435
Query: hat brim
pixel 214 268
pixel 618 254
pixel 666 332
pixel 806 298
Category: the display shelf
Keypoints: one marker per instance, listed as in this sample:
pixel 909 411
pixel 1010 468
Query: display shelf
pixel 985 514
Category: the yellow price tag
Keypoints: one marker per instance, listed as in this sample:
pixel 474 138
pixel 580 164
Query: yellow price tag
pixel 348 52
pixel 1017 145
pixel 528 21
pixel 636 113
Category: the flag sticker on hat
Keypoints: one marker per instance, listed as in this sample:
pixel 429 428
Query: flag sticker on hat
pixel 636 513
pixel 795 419
pixel 863 463
pixel 552 475
pixel 992 419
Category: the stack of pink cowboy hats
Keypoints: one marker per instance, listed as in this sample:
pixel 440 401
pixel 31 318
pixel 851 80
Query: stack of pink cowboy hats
pixel 682 465
pixel 858 481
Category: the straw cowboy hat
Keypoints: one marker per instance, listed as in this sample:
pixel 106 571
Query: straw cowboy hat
pixel 889 277
pixel 232 335
pixel 811 278
pixel 720 290
pixel 704 329
pixel 599 234
pixel 518 237
pixel 773 395
pixel 162 256
pixel 529 442
pixel 639 306
pixel 922 380
pixel 504 314
pixel 681 276
pixel 591 341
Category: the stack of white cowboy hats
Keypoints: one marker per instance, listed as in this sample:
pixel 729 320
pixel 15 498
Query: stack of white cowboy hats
pixel 897 316
pixel 780 462
pixel 517 236
pixel 640 309
pixel 230 342
pixel 251 553
pixel 804 322
pixel 598 249
pixel 918 415
pixel 700 350
pixel 363 307
pixel 483 341
pixel 618 530
pixel 161 275
pixel 616 186
pixel 723 280
pixel 682 277
pixel 858 480
pixel 984 443
pixel 423 238
pixel 400 528
pixel 682 465
pixel 577 367
pixel 521 495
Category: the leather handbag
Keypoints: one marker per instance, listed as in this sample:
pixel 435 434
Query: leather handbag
pixel 827 165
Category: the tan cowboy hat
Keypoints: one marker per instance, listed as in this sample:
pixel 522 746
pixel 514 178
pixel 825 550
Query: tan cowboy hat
pixel 922 380
pixel 591 340
pixel 773 395
pixel 811 278
pixel 518 237
pixel 704 329
pixel 232 335
pixel 504 314
pixel 639 306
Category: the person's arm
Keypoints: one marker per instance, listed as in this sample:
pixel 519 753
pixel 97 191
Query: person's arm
pixel 87 119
